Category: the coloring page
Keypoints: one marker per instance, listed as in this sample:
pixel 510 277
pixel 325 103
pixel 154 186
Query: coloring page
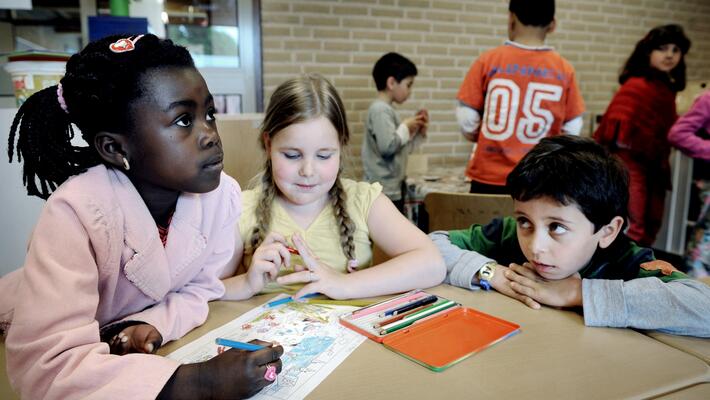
pixel 314 344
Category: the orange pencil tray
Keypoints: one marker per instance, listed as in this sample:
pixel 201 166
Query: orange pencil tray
pixel 446 339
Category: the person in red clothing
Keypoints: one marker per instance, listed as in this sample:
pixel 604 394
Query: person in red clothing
pixel 636 124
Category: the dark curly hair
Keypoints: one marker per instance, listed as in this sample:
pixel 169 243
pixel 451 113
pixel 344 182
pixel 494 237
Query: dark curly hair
pixel 538 13
pixel 394 65
pixel 573 170
pixel 99 88
pixel 638 63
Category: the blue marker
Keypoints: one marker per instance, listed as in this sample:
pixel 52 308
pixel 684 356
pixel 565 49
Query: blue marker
pixel 288 300
pixel 238 345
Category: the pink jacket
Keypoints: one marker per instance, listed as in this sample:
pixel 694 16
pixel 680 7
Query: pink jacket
pixel 682 134
pixel 96 257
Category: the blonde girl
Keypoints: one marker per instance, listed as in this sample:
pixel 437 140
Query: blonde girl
pixel 302 201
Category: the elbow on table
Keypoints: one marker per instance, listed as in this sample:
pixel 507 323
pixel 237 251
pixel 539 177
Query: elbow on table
pixel 437 267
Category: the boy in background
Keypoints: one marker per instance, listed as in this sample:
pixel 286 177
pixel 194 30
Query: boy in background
pixel 565 247
pixel 524 90
pixel 387 140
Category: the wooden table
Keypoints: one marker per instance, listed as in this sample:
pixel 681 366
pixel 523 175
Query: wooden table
pixel 696 392
pixel 434 179
pixel 698 347
pixel 554 356
pixel 439 179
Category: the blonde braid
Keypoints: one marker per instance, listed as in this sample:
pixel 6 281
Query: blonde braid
pixel 263 209
pixel 347 226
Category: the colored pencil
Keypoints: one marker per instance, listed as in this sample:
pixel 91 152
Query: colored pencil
pixel 398 317
pixel 410 319
pixel 288 300
pixel 384 305
pixel 292 250
pixel 355 303
pixel 238 345
pixel 410 306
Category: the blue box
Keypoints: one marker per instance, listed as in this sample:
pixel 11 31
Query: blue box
pixel 102 26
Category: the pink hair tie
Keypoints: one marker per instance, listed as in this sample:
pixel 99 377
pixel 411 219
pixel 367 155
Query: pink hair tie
pixel 270 374
pixel 60 98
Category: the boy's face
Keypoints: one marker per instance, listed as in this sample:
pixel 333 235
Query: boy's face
pixel 401 90
pixel 557 240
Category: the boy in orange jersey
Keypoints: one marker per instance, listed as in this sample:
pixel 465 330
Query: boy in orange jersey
pixel 524 90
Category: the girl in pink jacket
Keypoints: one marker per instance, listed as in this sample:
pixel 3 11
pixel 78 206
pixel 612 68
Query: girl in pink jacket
pixel 691 134
pixel 130 245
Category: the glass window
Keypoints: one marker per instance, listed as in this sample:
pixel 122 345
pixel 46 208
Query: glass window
pixel 208 28
pixel 222 36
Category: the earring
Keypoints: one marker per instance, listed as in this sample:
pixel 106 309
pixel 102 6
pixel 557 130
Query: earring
pixel 126 166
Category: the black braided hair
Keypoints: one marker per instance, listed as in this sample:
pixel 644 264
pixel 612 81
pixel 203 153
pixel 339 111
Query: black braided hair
pixel 99 87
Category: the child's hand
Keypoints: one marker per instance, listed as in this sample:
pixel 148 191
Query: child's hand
pixel 470 136
pixel 241 374
pixel 414 124
pixel 502 285
pixel 319 278
pixel 425 122
pixel 266 261
pixel 140 338
pixel 565 292
pixel 233 374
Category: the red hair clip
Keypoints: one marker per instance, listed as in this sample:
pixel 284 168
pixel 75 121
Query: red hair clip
pixel 124 45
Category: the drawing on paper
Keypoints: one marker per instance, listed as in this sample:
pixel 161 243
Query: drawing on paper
pixel 314 344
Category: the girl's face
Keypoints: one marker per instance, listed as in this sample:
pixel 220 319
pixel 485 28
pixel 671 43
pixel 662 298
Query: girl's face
pixel 174 144
pixel 666 57
pixel 305 159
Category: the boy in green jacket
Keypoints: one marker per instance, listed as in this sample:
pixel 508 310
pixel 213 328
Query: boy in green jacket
pixel 565 247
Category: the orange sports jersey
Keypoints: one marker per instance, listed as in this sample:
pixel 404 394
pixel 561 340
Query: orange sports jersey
pixel 525 94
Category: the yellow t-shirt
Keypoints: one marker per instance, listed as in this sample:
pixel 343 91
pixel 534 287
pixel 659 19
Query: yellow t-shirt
pixel 322 236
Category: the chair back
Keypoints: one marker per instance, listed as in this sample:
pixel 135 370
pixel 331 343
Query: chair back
pixel 448 211
pixel 243 156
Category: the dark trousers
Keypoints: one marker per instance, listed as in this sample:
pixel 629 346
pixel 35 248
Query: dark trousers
pixel 400 203
pixel 484 188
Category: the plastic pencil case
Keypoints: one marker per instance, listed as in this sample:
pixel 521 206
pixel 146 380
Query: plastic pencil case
pixel 435 340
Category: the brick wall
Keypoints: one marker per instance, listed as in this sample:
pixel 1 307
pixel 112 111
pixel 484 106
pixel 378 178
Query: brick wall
pixel 342 40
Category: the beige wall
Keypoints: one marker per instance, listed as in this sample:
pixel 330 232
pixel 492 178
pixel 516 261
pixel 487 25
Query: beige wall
pixel 342 40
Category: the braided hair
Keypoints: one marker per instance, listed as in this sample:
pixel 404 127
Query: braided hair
pixel 297 100
pixel 95 95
